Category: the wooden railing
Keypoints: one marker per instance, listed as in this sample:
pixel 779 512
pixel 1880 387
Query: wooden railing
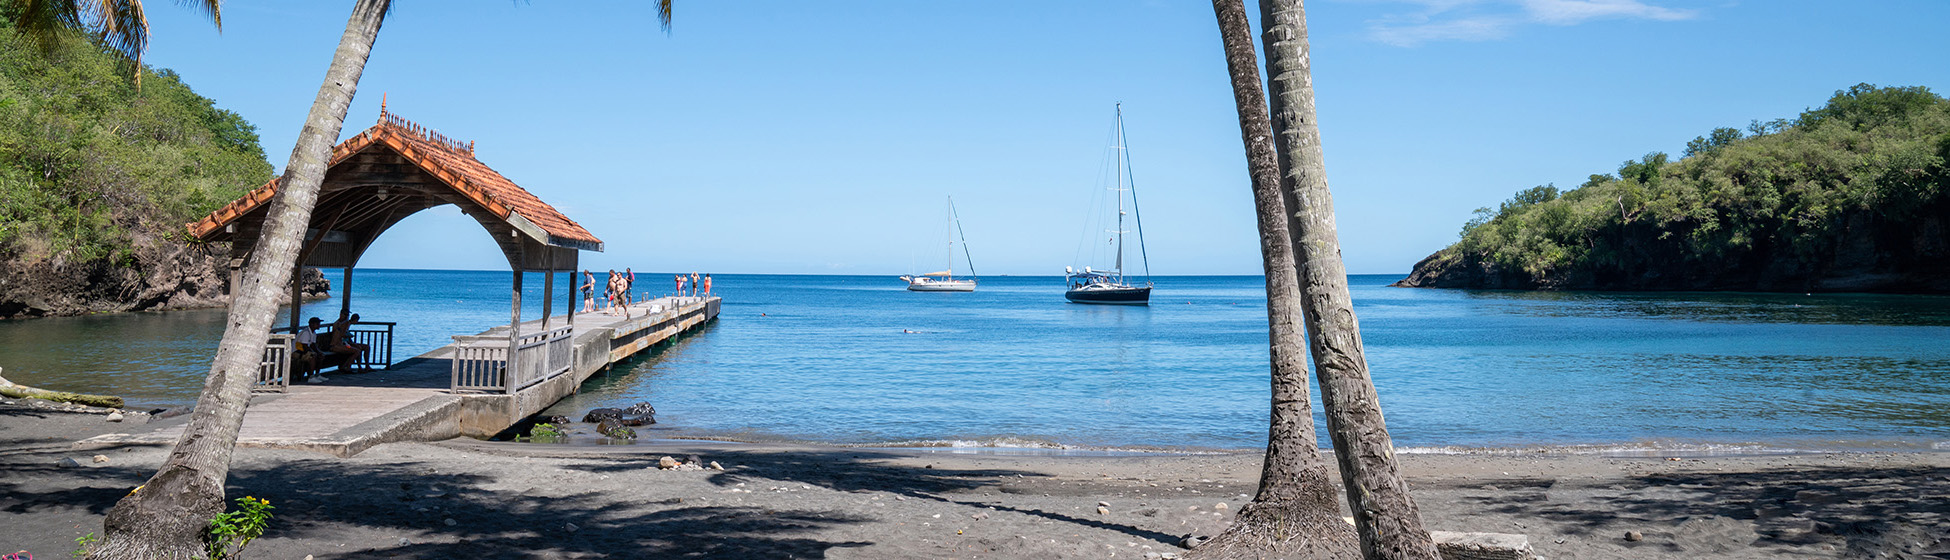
pixel 274 370
pixel 378 338
pixel 481 363
pixel 376 335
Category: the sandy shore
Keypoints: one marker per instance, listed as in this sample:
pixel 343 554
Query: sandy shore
pixel 473 499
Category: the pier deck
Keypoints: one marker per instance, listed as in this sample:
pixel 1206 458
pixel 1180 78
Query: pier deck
pixel 412 401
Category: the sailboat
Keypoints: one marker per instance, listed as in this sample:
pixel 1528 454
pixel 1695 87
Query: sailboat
pixel 945 280
pixel 1112 286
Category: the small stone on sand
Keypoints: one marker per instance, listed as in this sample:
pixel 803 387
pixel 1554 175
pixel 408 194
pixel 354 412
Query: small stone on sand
pixel 570 527
pixel 67 462
pixel 716 467
pixel 1634 536
pixel 115 417
pixel 450 522
pixel 1101 510
pixel 101 458
pixel 667 463
pixel 1221 506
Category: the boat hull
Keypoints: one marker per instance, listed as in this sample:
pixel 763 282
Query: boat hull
pixel 1111 296
pixel 954 286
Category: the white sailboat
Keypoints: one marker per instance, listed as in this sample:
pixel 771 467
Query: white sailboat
pixel 1111 286
pixel 945 281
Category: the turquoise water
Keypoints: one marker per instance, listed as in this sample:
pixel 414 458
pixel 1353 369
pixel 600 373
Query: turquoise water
pixel 824 358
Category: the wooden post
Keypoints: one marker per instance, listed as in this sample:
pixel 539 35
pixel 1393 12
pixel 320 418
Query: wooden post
pixel 297 300
pixel 548 288
pixel 573 287
pixel 514 336
pixel 345 292
pixel 514 323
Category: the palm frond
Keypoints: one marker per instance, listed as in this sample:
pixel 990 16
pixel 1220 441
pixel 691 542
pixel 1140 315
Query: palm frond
pixel 212 9
pixel 44 22
pixel 663 14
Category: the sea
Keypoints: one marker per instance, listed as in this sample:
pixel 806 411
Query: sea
pixel 858 360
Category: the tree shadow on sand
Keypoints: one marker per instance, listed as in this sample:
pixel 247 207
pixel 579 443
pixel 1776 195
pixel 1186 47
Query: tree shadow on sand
pixel 859 471
pixel 316 496
pixel 1870 512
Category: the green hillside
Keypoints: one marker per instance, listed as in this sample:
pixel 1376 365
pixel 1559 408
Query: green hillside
pixel 89 165
pixel 97 179
pixel 1850 196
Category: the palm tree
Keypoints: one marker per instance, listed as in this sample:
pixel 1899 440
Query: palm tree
pixel 166 517
pixel 119 25
pixel 1295 513
pixel 1384 513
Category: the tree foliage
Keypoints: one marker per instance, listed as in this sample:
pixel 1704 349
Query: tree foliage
pixel 90 165
pixel 1783 196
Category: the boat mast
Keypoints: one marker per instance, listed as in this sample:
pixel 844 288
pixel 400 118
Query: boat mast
pixel 956 219
pixel 1119 189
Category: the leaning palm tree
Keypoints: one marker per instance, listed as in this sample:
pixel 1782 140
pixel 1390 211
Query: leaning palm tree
pixel 1295 514
pixel 1384 513
pixel 167 517
pixel 119 25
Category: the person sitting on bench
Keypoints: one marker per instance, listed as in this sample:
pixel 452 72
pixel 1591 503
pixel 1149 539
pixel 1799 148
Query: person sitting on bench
pixel 342 345
pixel 305 357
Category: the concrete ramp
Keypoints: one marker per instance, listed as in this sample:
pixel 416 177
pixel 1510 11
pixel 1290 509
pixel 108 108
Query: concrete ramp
pixel 340 421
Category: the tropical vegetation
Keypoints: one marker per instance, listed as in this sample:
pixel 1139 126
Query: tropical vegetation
pixel 1851 195
pixel 92 168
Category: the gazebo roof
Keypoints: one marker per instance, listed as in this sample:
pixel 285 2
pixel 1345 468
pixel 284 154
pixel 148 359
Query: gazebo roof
pixel 391 171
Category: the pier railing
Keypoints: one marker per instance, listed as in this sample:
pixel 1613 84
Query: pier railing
pixel 376 335
pixel 481 363
pixel 274 370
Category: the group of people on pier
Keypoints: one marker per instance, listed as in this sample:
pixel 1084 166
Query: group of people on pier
pixel 698 287
pixel 616 292
pixel 337 349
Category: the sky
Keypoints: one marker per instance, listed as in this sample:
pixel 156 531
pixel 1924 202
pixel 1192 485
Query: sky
pixel 797 137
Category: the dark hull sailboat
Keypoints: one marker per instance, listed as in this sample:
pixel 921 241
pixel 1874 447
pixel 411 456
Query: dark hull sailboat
pixel 1110 295
pixel 1112 287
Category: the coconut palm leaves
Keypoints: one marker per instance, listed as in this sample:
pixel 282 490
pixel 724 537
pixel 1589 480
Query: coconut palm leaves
pixel 119 25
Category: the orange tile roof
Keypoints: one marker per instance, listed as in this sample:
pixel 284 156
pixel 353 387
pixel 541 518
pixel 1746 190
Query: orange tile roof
pixel 443 158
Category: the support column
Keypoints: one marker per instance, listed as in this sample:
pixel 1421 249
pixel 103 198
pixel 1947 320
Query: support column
pixel 548 289
pixel 345 292
pixel 574 286
pixel 514 335
pixel 297 299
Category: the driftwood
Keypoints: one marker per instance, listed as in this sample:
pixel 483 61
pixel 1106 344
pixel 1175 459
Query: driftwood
pixel 10 389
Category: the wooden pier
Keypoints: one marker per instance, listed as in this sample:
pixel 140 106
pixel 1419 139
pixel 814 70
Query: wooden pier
pixel 416 400
pixel 481 384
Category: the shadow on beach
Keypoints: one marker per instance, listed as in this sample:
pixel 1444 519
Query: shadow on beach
pixel 1867 511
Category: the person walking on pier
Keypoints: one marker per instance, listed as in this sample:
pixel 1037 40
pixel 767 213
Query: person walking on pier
pixel 588 291
pixel 693 284
pixel 680 285
pixel 707 285
pixel 629 283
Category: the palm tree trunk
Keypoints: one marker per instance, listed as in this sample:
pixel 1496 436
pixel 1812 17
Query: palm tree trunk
pixel 1384 513
pixel 167 517
pixel 1295 514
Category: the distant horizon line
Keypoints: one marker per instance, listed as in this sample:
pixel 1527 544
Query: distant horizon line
pixel 823 274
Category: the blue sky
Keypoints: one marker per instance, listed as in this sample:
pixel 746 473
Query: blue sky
pixel 823 137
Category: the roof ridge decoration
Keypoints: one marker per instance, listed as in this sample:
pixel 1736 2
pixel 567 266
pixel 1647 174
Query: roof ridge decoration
pixel 393 120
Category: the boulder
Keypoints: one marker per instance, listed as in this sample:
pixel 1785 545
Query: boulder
pixel 600 414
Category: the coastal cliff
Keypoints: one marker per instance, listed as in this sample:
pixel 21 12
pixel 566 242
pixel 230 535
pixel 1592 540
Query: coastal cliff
pixel 1849 197
pixel 98 176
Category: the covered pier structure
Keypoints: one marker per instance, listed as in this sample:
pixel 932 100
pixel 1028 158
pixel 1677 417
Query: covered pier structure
pixel 483 383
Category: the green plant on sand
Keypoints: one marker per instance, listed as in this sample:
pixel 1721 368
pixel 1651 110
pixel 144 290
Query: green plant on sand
pixel 230 532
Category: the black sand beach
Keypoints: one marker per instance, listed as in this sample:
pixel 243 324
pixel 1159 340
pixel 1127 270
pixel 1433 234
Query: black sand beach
pixel 464 498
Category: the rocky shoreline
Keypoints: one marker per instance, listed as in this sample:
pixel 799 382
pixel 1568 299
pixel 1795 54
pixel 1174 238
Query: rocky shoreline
pixel 161 276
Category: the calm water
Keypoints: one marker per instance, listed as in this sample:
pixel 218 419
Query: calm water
pixel 824 358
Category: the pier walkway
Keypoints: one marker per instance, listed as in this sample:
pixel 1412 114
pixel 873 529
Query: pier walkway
pixel 416 399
